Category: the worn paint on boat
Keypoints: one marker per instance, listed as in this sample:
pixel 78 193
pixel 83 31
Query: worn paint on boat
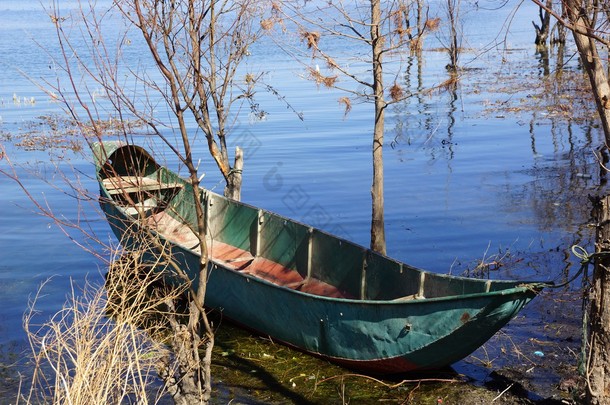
pixel 302 286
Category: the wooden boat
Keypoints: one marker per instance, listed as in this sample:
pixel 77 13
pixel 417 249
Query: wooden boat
pixel 299 285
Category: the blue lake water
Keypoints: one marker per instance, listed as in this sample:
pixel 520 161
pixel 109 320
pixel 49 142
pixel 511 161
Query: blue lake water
pixel 463 183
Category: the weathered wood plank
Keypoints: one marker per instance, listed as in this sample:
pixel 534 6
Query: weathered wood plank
pixel 133 184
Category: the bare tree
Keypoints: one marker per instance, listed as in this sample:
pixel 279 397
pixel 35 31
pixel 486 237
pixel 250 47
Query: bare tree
pixel 197 47
pixel 453 15
pixel 371 30
pixel 189 82
pixel 588 22
pixel 195 50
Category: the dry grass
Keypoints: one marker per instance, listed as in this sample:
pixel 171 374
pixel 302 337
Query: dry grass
pixel 83 355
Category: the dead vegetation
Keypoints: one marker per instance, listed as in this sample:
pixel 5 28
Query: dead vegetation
pixel 562 94
pixel 55 132
pixel 319 79
pixel 311 39
pixel 106 344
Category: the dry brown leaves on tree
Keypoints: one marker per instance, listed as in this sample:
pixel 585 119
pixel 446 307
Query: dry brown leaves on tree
pixel 311 39
pixel 327 81
pixel 396 92
pixel 433 24
pixel 347 103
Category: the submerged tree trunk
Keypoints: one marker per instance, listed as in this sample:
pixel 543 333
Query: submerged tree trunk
pixel 542 30
pixel 598 370
pixel 377 222
pixel 592 64
pixel 453 11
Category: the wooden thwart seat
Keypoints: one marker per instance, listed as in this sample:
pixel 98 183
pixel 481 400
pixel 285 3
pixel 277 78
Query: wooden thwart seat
pixel 133 184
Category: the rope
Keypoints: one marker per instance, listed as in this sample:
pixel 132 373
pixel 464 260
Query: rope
pixel 585 260
pixel 582 254
pixel 231 172
pixel 217 184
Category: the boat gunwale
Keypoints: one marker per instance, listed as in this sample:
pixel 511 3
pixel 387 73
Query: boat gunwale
pixel 526 289
pixel 523 289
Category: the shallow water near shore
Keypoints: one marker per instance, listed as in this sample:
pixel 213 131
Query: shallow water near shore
pixel 481 180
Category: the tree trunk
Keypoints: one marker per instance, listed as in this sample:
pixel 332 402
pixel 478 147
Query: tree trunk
pixel 598 370
pixel 542 31
pixel 454 49
pixel 233 188
pixel 377 222
pixel 591 62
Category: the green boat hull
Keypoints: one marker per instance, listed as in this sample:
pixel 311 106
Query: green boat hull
pixel 330 297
